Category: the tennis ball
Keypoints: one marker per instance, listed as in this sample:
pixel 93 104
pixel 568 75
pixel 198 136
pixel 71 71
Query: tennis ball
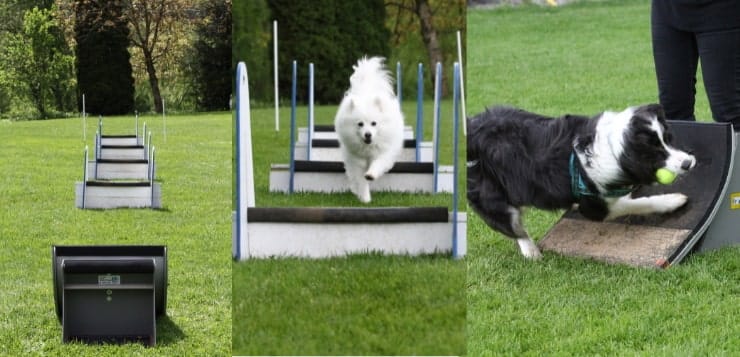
pixel 665 176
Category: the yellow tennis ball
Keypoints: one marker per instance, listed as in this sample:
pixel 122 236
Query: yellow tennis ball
pixel 665 176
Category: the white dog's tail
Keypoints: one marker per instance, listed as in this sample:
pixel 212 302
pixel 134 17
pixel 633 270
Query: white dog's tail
pixel 371 72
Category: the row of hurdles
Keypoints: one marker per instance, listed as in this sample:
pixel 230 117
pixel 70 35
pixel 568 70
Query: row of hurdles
pixel 317 232
pixel 121 173
pixel 315 159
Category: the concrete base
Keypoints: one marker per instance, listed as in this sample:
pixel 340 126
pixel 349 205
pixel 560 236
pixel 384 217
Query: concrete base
pixel 119 140
pixel 331 182
pixel 118 169
pixel 334 154
pixel 137 152
pixel 408 133
pixel 107 195
pixel 324 240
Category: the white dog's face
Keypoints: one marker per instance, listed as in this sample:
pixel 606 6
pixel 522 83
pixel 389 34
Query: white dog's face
pixel 364 118
pixel 367 130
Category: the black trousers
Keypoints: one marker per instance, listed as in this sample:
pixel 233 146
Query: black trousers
pixel 677 52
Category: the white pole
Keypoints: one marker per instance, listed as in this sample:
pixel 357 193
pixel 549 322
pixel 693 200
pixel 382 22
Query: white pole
pixel 164 122
pixel 462 85
pixel 136 113
pixel 275 64
pixel 84 120
pixel 245 137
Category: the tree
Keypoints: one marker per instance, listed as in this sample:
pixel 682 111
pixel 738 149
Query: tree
pixel 212 49
pixel 38 62
pixel 154 28
pixel 251 43
pixel 104 71
pixel 333 34
pixel 436 22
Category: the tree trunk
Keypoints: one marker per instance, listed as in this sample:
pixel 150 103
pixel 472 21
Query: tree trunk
pixel 37 96
pixel 429 36
pixel 153 81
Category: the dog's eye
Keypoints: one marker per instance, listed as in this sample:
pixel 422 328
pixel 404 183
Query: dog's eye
pixel 373 123
pixel 360 124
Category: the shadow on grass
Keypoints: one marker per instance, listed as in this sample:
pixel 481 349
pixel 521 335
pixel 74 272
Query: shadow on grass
pixel 168 332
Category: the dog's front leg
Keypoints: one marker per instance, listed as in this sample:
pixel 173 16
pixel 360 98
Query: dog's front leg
pixel 380 166
pixel 627 205
pixel 355 167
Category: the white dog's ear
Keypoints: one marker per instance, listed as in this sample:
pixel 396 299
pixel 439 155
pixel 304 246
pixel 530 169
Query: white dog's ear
pixel 379 104
pixel 351 105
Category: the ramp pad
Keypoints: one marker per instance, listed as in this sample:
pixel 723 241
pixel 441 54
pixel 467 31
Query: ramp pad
pixel 645 246
pixel 657 240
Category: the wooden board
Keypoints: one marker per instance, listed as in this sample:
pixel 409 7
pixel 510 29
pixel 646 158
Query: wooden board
pixel 611 242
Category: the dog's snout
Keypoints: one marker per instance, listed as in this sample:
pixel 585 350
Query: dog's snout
pixel 368 135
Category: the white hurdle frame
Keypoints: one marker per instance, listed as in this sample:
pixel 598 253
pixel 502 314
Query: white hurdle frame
pixel 430 153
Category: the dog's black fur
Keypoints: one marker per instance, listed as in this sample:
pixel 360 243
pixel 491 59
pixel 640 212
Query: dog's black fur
pixel 517 158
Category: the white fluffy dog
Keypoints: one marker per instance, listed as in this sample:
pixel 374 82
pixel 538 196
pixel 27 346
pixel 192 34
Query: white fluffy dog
pixel 369 124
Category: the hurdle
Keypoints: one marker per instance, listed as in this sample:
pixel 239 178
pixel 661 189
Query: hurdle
pixel 315 232
pixel 125 139
pixel 707 222
pixel 421 173
pixel 125 162
pixel 120 147
pixel 324 142
pixel 93 193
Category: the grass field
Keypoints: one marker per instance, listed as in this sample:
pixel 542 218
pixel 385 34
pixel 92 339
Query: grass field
pixel 42 160
pixel 583 58
pixel 359 305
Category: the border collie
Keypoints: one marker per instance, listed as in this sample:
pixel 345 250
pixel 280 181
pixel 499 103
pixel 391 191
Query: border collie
pixel 516 159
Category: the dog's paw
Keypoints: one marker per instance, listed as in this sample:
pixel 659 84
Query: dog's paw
pixel 363 194
pixel 364 198
pixel 669 202
pixel 529 249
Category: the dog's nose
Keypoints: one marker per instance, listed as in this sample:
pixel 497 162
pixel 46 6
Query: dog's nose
pixel 688 164
pixel 368 135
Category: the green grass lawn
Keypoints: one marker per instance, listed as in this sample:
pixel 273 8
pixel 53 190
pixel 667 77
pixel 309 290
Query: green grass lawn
pixel 583 59
pixel 42 160
pixel 359 305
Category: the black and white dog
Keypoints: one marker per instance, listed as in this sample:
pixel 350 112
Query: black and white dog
pixel 517 159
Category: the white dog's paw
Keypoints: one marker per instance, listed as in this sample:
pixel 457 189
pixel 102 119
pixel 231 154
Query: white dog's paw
pixel 529 249
pixel 364 198
pixel 362 191
pixel 373 173
pixel 669 202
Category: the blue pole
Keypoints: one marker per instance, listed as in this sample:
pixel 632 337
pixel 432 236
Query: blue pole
pixel 292 126
pixel 151 181
pixel 419 110
pixel 84 178
pixel 437 120
pixel 310 112
pixel 455 119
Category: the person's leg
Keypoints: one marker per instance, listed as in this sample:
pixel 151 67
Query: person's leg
pixel 720 62
pixel 675 55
